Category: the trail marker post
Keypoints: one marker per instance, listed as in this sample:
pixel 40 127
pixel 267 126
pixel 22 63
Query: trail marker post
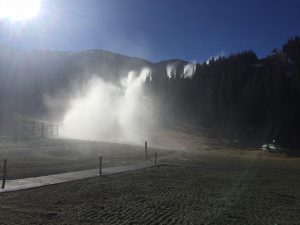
pixel 100 165
pixel 146 150
pixel 4 174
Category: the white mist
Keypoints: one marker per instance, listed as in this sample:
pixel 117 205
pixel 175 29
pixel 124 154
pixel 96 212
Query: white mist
pixel 111 112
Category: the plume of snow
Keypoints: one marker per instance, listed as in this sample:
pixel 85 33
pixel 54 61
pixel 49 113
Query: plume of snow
pixel 171 70
pixel 189 70
pixel 110 112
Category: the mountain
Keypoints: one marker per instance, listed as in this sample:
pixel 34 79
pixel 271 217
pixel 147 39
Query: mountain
pixel 27 76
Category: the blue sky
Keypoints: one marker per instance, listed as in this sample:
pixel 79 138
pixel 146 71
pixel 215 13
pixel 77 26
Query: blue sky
pixel 158 29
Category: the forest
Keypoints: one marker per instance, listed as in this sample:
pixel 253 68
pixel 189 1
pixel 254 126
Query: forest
pixel 239 96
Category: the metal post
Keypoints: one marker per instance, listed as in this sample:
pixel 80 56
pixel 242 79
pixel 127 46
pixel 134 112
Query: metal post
pixel 100 165
pixel 4 174
pixel 51 130
pixel 146 150
pixel 155 159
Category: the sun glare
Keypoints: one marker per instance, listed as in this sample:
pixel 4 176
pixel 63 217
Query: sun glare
pixel 19 9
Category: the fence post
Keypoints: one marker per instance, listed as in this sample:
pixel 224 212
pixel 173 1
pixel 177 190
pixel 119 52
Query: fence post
pixel 57 130
pixel 51 130
pixel 4 174
pixel 100 165
pixel 146 150
pixel 155 159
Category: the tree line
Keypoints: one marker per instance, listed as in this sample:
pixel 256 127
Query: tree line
pixel 239 96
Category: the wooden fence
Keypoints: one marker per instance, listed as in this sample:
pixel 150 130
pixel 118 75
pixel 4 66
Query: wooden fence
pixel 34 129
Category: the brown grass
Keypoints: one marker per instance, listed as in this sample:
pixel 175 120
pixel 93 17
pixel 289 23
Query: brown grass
pixel 204 186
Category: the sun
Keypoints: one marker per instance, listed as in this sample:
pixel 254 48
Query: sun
pixel 19 9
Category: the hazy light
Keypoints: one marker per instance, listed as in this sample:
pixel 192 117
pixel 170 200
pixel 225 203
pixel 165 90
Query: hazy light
pixel 19 9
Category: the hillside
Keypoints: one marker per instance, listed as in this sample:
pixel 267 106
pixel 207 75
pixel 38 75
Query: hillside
pixel 27 76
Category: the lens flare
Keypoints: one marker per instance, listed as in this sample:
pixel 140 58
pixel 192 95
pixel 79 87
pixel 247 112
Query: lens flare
pixel 19 9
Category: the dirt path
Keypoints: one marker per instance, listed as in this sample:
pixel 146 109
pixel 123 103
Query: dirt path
pixel 34 182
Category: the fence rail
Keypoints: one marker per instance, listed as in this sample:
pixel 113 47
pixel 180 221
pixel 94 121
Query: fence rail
pixel 34 129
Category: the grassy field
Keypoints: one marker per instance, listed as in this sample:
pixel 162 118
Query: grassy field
pixel 206 182
pixel 51 156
